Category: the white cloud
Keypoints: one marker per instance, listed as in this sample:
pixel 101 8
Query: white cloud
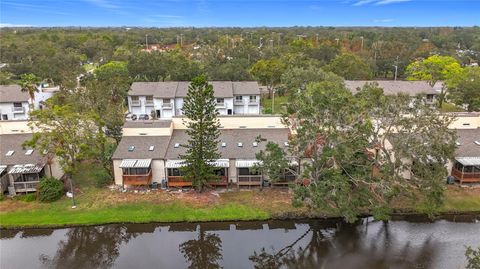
pixel 383 20
pixel 103 4
pixel 377 2
pixel 14 25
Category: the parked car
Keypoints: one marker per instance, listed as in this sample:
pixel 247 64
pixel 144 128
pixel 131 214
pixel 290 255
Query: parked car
pixel 130 116
pixel 143 117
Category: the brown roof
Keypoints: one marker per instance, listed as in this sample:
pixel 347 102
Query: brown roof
pixel 14 142
pixel 232 137
pixel 142 145
pixel 391 87
pixel 148 124
pixel 170 89
pixel 12 93
pixel 467 147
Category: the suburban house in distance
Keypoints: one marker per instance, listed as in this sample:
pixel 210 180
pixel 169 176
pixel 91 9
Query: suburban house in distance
pixel 22 168
pixel 15 104
pixel 150 151
pixel 390 87
pixel 164 100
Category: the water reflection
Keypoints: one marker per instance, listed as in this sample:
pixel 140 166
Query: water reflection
pixel 89 247
pixel 203 252
pixel 261 245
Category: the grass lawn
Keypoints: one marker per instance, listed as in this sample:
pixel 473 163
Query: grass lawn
pixel 279 105
pixel 448 107
pixel 104 206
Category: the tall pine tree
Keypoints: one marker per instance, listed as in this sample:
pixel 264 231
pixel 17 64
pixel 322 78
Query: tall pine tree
pixel 202 123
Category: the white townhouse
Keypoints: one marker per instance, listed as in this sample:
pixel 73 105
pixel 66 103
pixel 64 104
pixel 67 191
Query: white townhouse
pixel 15 104
pixel 390 87
pixel 165 99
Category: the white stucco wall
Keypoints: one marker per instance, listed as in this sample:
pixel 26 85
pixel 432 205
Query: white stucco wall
pixel 117 172
pixel 158 171
pixel 7 109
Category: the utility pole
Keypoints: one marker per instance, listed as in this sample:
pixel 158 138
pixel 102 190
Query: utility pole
pixel 73 196
pixel 146 42
pixel 396 69
pixel 273 101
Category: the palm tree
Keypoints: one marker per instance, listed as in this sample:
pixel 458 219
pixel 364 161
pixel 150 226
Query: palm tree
pixel 29 82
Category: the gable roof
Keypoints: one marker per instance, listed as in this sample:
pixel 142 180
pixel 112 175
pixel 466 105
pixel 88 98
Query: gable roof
pixel 141 147
pixel 468 147
pixel 232 137
pixel 14 142
pixel 13 93
pixel 171 89
pixel 391 87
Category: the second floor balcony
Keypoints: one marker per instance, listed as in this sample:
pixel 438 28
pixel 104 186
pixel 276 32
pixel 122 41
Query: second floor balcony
pixel 167 105
pixel 18 109
pixel 135 103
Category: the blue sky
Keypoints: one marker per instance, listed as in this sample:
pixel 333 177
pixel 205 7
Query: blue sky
pixel 168 13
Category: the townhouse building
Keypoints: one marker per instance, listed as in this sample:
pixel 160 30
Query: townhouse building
pixel 164 100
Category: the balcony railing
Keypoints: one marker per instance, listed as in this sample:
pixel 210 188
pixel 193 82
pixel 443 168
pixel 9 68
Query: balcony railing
pixel 18 109
pixel 26 186
pixel 136 103
pixel 253 102
pixel 238 102
pixel 466 176
pixel 167 105
pixel 220 105
pixel 137 180
pixel 249 180
pixel 149 103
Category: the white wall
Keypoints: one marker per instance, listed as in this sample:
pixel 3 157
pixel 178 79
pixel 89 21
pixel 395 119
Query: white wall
pixel 117 172
pixel 7 109
pixel 158 171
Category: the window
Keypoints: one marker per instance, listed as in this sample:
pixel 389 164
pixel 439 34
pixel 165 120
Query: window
pixel 29 152
pixel 135 99
pixel 17 105
pixel 10 153
pixel 220 100
pixel 248 172
pixel 4 117
pixel 238 99
pixel 224 144
pixel 175 172
pixel 149 99
pixel 177 145
pixel 131 148
pixel 253 99
pixel 166 101
pixel 151 148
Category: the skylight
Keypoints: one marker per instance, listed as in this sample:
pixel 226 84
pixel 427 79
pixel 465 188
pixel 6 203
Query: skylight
pixel 177 145
pixel 255 144
pixel 29 152
pixel 151 148
pixel 10 153
pixel 240 144
pixel 131 148
pixel 286 144
pixel 224 144
pixel 477 142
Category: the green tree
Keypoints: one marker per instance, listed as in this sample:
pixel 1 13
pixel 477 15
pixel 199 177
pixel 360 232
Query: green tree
pixel 269 73
pixel 202 123
pixel 473 258
pixel 433 69
pixel 350 67
pixel 29 82
pixel 464 89
pixel 69 135
pixel 273 161
pixel 297 78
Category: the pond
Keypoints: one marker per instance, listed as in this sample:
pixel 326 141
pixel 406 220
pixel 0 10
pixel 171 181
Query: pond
pixel 403 243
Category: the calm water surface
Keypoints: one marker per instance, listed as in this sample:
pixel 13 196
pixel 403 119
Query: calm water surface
pixel 412 243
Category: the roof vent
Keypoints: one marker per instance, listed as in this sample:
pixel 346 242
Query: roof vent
pixel 151 148
pixel 286 144
pixel 466 124
pixel 10 153
pixel 240 144
pixel 177 145
pixel 271 126
pixel 142 134
pixel 255 144
pixel 224 144
pixel 242 126
pixel 131 148
pixel 29 152
pixel 477 142
pixel 457 143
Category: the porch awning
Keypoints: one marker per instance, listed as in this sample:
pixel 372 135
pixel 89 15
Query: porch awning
pixel 2 168
pixel 174 163
pixel 246 163
pixel 468 161
pixel 224 163
pixel 26 168
pixel 136 163
pixel 180 163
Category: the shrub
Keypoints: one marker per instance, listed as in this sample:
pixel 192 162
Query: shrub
pixel 50 189
pixel 30 197
pixel 101 177
pixel 88 175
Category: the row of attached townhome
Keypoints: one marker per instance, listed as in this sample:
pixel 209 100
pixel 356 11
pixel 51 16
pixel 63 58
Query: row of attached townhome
pixel 164 100
pixel 15 104
pixel 150 151
pixel 411 88
pixel 21 169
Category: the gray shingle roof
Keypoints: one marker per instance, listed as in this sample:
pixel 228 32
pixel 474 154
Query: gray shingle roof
pixel 467 147
pixel 390 87
pixel 12 93
pixel 170 89
pixel 232 137
pixel 148 124
pixel 14 142
pixel 142 145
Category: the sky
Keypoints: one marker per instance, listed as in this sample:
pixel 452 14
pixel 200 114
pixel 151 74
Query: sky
pixel 242 13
